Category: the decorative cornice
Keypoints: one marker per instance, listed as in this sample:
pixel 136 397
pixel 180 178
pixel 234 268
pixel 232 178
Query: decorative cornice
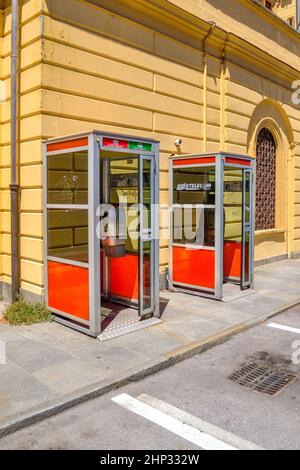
pixel 192 29
pixel 266 61
pixel 166 13
pixel 163 11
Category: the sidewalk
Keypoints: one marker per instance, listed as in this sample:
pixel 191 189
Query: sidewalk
pixel 51 367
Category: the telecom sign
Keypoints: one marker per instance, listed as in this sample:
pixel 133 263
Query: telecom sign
pixel 195 187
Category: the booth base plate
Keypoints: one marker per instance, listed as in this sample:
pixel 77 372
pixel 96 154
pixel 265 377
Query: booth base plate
pixel 117 331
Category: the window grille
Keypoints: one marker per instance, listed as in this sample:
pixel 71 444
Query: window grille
pixel 265 181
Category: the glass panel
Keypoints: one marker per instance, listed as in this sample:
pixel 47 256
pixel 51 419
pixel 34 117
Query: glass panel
pixel 247 227
pixel 194 185
pixel 247 258
pixel 67 176
pixel 123 195
pixel 233 204
pixel 194 226
pixel 233 223
pixel 146 235
pixel 68 234
pixel 247 197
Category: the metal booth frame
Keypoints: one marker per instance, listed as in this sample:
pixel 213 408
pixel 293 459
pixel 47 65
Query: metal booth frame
pixel 93 143
pixel 222 160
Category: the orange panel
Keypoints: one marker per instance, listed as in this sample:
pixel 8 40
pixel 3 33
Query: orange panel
pixel 194 267
pixel 237 161
pixel 68 144
pixel 68 289
pixel 195 161
pixel 233 259
pixel 124 277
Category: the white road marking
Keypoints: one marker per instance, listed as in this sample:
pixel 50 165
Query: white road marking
pixel 284 328
pixel 174 425
pixel 203 426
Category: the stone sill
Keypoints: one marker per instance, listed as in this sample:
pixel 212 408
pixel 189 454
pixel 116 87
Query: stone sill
pixel 273 231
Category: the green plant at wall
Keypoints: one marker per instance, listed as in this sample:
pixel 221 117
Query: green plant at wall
pixel 27 313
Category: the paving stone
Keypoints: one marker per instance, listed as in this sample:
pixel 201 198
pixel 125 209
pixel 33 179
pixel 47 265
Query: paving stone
pixel 111 356
pixel 69 376
pixel 49 360
pixel 32 356
pixel 20 391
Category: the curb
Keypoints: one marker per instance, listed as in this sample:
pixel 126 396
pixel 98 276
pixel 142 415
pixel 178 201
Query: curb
pixel 50 409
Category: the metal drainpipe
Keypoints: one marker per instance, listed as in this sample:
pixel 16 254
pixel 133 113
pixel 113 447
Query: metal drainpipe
pixel 14 186
pixel 298 15
pixel 205 71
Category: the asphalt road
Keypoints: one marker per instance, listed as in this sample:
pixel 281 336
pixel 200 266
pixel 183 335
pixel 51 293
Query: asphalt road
pixel 203 396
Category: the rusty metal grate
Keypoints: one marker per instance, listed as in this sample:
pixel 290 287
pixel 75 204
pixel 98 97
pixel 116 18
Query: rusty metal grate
pixel 265 181
pixel 262 378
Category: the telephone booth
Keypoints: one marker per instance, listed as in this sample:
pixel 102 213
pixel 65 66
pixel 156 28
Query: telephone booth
pixel 212 222
pixel 101 230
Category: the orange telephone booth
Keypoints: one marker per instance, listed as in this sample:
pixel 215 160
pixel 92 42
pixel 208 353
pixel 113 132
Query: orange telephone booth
pixel 212 222
pixel 101 224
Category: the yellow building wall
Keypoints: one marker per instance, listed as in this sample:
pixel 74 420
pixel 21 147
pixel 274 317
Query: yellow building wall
pixel 97 69
pixel 119 76
pixel 29 149
pixel 1 99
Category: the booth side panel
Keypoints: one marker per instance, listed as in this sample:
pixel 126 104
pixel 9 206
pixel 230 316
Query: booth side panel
pixel 194 267
pixel 232 260
pixel 68 289
pixel 67 282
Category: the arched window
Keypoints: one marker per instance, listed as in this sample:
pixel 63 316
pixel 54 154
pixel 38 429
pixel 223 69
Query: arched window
pixel 265 181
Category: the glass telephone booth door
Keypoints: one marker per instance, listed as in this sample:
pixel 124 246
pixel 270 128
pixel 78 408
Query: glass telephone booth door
pixel 238 226
pixel 128 251
pixel 212 221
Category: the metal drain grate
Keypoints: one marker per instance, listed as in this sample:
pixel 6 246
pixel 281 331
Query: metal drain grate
pixel 262 378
